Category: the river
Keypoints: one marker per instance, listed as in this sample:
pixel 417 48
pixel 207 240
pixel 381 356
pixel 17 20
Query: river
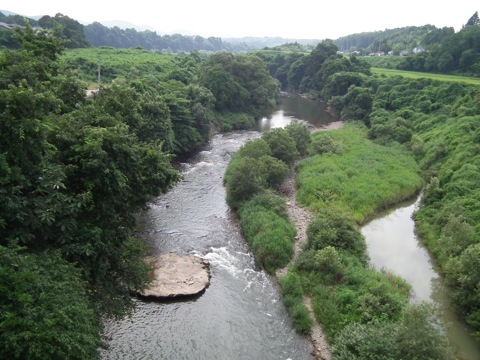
pixel 241 314
pixel 392 244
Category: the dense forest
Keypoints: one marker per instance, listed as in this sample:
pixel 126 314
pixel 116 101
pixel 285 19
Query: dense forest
pixel 75 171
pixel 395 40
pixel 96 34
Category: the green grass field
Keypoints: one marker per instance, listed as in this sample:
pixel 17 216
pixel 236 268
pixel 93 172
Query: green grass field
pixel 419 75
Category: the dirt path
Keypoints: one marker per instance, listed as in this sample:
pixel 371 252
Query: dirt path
pixel 301 217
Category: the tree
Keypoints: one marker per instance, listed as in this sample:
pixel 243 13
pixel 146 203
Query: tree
pixel 333 228
pixel 416 336
pixel 239 83
pixel 273 170
pixel 283 146
pixel 473 21
pixel 301 134
pixel 255 149
pixel 65 28
pixel 357 104
pixel 466 283
pixel 244 181
pixel 44 310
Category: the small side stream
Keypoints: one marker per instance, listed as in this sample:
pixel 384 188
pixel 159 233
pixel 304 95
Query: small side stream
pixel 393 245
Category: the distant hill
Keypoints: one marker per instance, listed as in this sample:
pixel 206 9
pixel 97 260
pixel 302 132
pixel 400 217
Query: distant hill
pixel 126 25
pixel 396 40
pixel 261 42
pixel 10 13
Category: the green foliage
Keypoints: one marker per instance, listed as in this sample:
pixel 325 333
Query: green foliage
pixel 100 35
pixel 356 294
pixel 270 236
pixel 243 181
pixel 456 53
pixel 269 201
pixel 301 134
pixel 323 143
pixel 239 83
pixel 327 260
pixel 282 145
pixel 331 228
pixel 322 72
pixel 65 28
pixel 273 170
pixel 74 172
pixel 255 149
pixel 466 283
pixel 356 104
pixel 398 39
pixel 418 337
pixel 293 300
pixel 415 336
pixel 442 117
pixel 363 179
pixel 359 341
pixel 227 121
pixel 44 309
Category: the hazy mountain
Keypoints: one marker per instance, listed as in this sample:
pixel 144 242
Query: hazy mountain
pixel 11 13
pixel 127 25
pixel 260 42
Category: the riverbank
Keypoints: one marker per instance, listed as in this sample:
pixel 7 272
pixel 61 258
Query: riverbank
pixel 300 218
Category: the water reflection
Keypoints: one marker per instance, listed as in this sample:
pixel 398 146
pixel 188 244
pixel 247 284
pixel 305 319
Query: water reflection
pixel 296 107
pixel 392 244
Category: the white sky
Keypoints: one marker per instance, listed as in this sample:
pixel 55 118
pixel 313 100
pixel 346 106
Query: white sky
pixel 299 19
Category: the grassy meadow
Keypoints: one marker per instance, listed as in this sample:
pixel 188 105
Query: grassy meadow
pixel 363 179
pixel 422 75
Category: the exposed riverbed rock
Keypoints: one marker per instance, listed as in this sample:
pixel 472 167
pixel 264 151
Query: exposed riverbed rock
pixel 174 276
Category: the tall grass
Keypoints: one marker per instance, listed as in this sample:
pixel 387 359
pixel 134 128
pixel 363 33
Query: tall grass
pixel 421 75
pixel 364 179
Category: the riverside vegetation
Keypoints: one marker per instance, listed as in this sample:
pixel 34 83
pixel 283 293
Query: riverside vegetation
pixel 75 171
pixel 426 131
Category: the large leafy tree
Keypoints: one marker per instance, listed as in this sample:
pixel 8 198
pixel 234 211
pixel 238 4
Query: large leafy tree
pixel 473 21
pixel 239 83
pixel 44 310
pixel 72 176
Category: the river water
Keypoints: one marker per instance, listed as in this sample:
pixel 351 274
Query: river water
pixel 393 245
pixel 241 314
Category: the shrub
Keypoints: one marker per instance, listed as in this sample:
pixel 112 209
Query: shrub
pixel 299 132
pixel 44 310
pixel 282 144
pixel 269 201
pixel 293 299
pixel 302 321
pixel 243 182
pixel 415 336
pixel 270 236
pixel 273 171
pixel 255 149
pixel 334 228
pixel 324 143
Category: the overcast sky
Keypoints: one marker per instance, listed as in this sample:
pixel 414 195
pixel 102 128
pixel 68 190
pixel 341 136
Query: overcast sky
pixel 300 19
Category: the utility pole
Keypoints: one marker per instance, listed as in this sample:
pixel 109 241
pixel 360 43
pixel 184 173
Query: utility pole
pixel 99 73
